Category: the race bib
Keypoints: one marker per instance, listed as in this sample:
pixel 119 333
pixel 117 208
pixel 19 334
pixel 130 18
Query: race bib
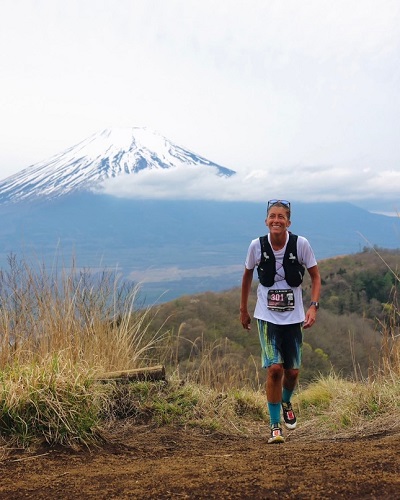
pixel 281 300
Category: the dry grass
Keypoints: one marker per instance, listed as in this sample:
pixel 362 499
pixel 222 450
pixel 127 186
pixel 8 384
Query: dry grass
pixel 212 364
pixel 59 331
pixel 333 407
pixel 186 405
pixel 53 400
pixel 89 317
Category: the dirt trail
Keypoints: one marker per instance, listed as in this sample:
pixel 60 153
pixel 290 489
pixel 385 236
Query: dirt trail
pixel 168 463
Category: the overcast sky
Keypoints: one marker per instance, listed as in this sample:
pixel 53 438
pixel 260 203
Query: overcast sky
pixel 301 96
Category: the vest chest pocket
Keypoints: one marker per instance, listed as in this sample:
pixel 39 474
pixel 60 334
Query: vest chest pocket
pixel 281 300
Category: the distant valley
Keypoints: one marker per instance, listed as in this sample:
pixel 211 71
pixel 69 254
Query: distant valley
pixel 175 247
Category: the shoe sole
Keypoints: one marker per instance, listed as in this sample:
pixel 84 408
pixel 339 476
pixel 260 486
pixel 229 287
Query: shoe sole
pixel 277 440
pixel 290 426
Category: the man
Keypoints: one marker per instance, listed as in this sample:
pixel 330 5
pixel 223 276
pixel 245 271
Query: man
pixel 280 258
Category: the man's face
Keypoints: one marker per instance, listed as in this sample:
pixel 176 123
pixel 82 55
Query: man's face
pixel 277 220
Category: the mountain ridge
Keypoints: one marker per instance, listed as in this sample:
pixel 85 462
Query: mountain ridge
pixel 104 155
pixel 175 247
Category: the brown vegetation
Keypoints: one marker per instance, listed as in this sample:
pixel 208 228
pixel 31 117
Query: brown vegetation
pixel 203 432
pixel 357 294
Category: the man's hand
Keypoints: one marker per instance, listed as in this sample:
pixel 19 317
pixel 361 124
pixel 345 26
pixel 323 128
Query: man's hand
pixel 311 316
pixel 245 320
pixel 246 287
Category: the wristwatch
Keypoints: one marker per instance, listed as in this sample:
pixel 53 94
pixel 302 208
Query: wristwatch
pixel 316 304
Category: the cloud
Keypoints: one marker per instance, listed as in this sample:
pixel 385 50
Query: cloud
pixel 297 182
pixel 181 182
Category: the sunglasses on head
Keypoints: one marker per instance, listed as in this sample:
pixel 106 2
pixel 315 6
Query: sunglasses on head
pixel 271 203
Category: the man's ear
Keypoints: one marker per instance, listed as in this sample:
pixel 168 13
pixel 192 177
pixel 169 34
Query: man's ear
pixel 288 223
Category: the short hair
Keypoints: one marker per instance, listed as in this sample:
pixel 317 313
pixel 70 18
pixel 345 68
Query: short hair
pixel 280 204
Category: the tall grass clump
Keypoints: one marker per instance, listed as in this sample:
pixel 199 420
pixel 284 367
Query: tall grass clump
pixel 390 329
pixel 390 334
pixel 215 364
pixel 366 406
pixel 332 406
pixel 185 404
pixel 59 331
pixel 53 400
pixel 89 317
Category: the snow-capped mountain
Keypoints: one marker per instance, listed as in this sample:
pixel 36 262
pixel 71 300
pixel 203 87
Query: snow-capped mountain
pixel 107 154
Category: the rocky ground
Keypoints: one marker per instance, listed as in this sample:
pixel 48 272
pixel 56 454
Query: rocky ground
pixel 146 462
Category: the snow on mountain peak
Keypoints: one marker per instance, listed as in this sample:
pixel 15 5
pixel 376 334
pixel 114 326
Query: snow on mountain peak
pixel 106 154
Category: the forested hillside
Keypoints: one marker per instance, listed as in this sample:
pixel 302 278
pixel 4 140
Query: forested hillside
pixel 357 295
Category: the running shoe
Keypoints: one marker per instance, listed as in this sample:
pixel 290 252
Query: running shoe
pixel 276 435
pixel 288 416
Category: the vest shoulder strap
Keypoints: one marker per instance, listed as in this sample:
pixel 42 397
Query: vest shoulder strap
pixel 290 248
pixel 292 244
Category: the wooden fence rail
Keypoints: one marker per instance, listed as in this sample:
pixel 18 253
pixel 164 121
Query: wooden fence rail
pixel 150 373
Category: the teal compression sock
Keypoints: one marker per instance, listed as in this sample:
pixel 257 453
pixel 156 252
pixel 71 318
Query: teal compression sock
pixel 286 395
pixel 274 413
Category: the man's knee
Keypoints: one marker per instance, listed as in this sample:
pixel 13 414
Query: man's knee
pixel 275 372
pixel 291 374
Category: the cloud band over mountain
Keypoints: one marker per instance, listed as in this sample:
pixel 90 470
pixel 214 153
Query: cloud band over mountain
pixel 138 163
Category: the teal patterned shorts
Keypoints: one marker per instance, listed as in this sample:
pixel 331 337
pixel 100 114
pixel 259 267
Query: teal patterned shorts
pixel 280 344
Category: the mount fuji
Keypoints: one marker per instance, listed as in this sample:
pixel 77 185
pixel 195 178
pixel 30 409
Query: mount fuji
pixel 54 211
pixel 104 155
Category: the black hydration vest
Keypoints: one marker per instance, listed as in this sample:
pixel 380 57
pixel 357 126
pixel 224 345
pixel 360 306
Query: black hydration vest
pixel 266 269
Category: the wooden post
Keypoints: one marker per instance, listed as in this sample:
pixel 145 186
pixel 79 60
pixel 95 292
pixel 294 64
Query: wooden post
pixel 150 373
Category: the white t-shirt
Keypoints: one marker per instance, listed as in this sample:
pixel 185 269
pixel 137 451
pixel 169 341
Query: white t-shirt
pixel 305 256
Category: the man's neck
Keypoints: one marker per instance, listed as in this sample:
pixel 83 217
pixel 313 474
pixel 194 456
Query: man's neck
pixel 278 241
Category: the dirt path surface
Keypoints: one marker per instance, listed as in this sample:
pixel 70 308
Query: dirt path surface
pixel 168 463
